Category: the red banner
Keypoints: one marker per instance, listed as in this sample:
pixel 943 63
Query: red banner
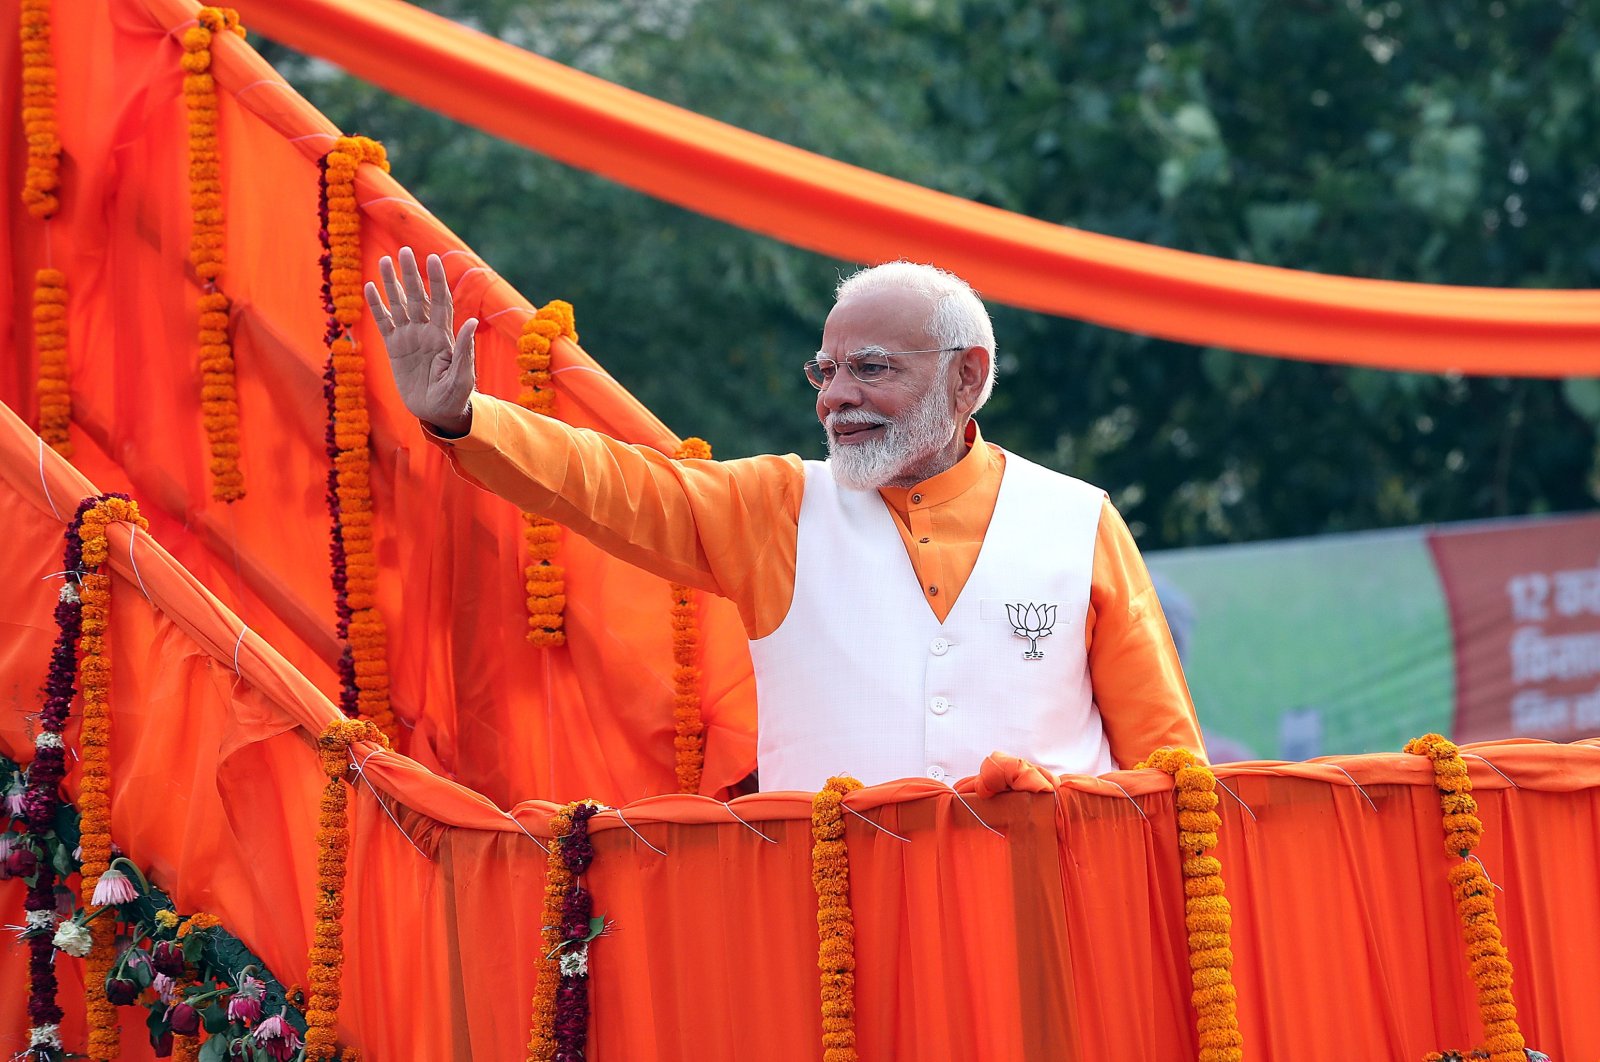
pixel 1525 614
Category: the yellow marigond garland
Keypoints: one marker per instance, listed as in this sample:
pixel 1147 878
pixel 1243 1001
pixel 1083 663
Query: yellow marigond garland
pixel 94 802
pixel 836 929
pixel 333 850
pixel 50 339
pixel 219 399
pixel 39 111
pixel 1474 894
pixel 690 740
pixel 1207 915
pixel 352 429
pixel 546 587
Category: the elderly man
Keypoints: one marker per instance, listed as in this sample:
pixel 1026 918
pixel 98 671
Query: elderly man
pixel 920 599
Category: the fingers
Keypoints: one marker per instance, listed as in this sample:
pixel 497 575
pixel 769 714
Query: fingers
pixel 464 356
pixel 391 288
pixel 411 279
pixel 444 308
pixel 380 312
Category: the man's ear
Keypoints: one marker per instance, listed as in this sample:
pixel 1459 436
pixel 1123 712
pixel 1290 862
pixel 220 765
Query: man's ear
pixel 972 367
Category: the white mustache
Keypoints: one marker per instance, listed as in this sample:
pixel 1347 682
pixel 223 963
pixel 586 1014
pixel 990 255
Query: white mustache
pixel 852 416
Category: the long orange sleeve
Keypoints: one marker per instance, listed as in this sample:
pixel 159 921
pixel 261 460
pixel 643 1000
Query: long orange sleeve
pixel 730 527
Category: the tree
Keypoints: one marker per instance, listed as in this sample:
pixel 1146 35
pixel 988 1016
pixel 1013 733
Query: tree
pixel 1403 141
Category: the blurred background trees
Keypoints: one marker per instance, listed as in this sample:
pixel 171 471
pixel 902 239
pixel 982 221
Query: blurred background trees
pixel 1451 143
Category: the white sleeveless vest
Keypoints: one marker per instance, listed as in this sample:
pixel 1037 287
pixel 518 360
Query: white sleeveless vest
pixel 861 678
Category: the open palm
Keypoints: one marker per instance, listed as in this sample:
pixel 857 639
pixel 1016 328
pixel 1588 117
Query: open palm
pixel 433 364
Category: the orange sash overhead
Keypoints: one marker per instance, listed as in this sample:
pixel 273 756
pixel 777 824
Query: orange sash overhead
pixel 828 206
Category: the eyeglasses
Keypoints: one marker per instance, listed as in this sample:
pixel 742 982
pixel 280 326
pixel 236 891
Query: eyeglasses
pixel 870 365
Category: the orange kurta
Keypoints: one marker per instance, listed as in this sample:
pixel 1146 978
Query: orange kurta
pixel 730 527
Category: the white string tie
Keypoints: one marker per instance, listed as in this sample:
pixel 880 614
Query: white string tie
pixel 362 774
pixel 1493 768
pixel 975 815
pixel 45 485
pixel 468 273
pixel 524 829
pixel 236 646
pixel 1485 870
pixel 875 825
pixel 747 826
pixel 312 136
pixel 1132 801
pixel 133 532
pixel 1235 796
pixel 636 833
pixel 1355 783
pixel 275 82
pixel 580 368
pixel 407 200
pixel 508 309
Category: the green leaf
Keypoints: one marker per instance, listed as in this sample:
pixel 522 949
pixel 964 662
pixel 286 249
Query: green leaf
pixel 214 1016
pixel 192 945
pixel 1583 395
pixel 215 1049
pixel 156 1022
pixel 596 925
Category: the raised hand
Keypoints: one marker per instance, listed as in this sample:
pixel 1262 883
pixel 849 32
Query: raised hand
pixel 434 365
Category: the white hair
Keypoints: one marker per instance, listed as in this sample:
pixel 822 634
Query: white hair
pixel 958 318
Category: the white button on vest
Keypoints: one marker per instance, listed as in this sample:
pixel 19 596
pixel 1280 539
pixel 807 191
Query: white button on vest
pixel 939 646
pixel 939 705
pixel 936 773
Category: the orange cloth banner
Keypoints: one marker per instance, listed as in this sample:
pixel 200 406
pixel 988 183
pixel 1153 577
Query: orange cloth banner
pixel 827 206
pixel 1019 916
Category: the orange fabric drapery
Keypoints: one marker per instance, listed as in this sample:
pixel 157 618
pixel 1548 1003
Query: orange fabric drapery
pixel 828 206
pixel 1059 935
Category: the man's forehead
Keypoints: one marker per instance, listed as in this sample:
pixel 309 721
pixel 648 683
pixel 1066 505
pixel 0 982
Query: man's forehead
pixel 890 317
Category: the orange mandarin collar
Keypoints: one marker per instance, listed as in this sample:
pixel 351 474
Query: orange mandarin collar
pixel 980 461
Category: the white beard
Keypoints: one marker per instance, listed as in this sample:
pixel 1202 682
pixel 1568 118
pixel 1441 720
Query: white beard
pixel 907 442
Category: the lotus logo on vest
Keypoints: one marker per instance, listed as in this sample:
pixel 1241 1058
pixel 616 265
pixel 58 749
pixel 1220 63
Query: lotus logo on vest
pixel 1031 622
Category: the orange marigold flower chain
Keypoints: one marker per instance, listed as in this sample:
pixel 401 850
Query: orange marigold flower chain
pixel 94 800
pixel 39 194
pixel 43 178
pixel 333 849
pixel 561 987
pixel 546 586
pixel 689 742
pixel 1206 913
pixel 364 665
pixel 219 400
pixel 1474 896
pixel 836 930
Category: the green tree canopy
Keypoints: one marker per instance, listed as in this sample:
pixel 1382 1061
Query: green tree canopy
pixel 1448 143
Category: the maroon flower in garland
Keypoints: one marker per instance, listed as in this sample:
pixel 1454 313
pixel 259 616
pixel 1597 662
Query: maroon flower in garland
pixel 41 797
pixel 571 1026
pixel 348 691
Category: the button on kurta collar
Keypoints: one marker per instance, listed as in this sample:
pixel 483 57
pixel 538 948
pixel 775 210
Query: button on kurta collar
pixel 980 461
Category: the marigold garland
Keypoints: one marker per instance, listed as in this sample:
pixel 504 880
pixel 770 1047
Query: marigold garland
pixel 545 580
pixel 560 999
pixel 1474 895
pixel 689 742
pixel 50 340
pixel 94 802
pixel 219 398
pixel 39 111
pixel 364 669
pixel 1207 915
pixel 836 930
pixel 333 850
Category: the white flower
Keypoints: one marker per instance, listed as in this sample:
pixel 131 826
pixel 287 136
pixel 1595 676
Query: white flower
pixel 69 593
pixel 47 740
pixel 73 937
pixel 575 963
pixel 45 1036
pixel 42 919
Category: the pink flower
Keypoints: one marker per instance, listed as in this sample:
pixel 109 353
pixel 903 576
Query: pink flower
pixel 14 794
pixel 112 888
pixel 168 958
pixel 164 987
pixel 21 861
pixel 245 1005
pixel 277 1038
